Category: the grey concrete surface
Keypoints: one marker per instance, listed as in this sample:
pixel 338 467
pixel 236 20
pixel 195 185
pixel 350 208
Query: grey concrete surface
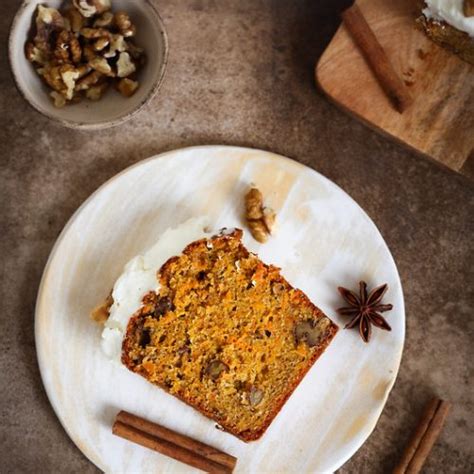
pixel 241 73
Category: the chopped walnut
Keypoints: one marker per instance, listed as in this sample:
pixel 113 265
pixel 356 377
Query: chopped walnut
pixel 269 218
pixel 125 66
pixel 52 76
pixel 101 65
pixel 254 204
pixel 97 91
pixel 104 20
pixel 88 81
pixel 117 45
pixel 259 219
pixel 69 78
pixel 101 43
pixel 100 313
pixel 215 368
pixel 258 230
pixel 58 99
pixel 127 87
pixel 81 51
pixel 94 33
pixel 76 20
pixel 89 8
pixel 308 332
pixel 35 55
pixel 83 70
pixel 48 21
pixel 255 396
pixel 124 24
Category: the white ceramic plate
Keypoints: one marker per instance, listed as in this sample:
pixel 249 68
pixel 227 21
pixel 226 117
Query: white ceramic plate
pixel 324 239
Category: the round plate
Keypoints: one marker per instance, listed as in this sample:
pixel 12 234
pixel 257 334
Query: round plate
pixel 323 239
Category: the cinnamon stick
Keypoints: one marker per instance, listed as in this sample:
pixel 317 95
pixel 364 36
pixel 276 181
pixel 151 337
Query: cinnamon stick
pixel 172 444
pixel 376 58
pixel 424 437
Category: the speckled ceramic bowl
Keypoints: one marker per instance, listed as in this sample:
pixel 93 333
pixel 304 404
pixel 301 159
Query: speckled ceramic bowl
pixel 113 108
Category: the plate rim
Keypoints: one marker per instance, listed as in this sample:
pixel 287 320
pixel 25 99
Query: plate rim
pixel 41 364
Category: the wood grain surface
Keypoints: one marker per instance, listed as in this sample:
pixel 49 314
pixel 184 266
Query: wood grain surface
pixel 440 122
pixel 323 239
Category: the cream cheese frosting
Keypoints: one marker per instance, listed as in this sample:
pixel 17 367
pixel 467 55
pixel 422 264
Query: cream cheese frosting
pixel 139 277
pixel 450 11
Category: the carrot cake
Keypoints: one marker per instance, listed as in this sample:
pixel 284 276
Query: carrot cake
pixel 219 329
pixel 450 23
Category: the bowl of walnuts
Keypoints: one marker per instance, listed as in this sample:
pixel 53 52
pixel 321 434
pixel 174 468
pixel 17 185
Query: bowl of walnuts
pixel 88 64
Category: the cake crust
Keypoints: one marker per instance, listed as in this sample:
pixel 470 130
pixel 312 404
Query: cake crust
pixel 445 35
pixel 188 339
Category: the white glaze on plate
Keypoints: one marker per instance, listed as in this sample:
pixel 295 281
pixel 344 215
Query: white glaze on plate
pixel 324 240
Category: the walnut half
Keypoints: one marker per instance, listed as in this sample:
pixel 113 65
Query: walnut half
pixel 260 219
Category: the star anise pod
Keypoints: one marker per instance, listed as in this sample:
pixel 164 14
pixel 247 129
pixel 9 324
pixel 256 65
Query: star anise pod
pixel 365 309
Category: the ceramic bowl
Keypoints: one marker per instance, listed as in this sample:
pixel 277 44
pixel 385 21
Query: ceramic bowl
pixel 113 108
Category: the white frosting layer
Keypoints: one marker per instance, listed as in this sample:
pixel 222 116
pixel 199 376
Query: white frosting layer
pixel 450 11
pixel 139 277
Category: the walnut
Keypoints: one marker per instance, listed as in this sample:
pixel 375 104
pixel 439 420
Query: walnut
pixel 127 87
pixel 48 20
pixel 75 49
pixel 137 53
pixel 259 219
pixel 104 20
pixel 254 204
pixel 269 218
pixel 100 313
pixel 69 77
pixel 97 91
pixel 67 48
pixel 101 43
pixel 35 55
pixel 258 230
pixel 89 80
pixel 255 396
pixel 215 368
pixel 52 76
pixel 76 20
pixel 94 33
pixel 101 65
pixel 125 66
pixel 124 24
pixel 61 51
pixel 117 45
pixel 58 99
pixel 83 70
pixel 308 332
pixel 89 8
pixel 70 51
pixel 89 52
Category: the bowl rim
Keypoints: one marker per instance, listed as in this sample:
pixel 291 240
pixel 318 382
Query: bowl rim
pixel 77 125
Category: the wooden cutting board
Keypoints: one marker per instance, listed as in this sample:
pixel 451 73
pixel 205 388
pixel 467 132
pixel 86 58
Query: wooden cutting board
pixel 440 123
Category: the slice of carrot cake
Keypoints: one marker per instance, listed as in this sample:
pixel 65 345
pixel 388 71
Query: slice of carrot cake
pixel 222 331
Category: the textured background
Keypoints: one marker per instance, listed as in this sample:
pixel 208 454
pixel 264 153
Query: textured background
pixel 241 73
